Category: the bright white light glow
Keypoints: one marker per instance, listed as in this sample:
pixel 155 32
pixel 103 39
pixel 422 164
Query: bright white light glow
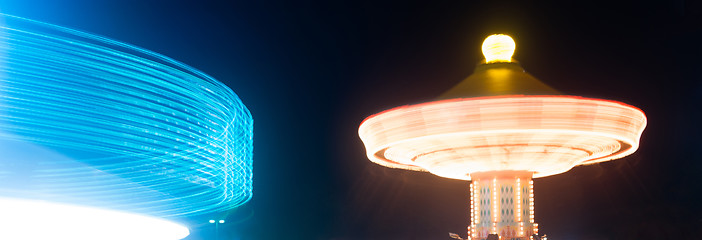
pixel 542 134
pixel 212 221
pixel 221 221
pixel 22 219
pixel 498 48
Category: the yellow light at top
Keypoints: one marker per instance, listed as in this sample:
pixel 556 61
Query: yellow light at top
pixel 498 48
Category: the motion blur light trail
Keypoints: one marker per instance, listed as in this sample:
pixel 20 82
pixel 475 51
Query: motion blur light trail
pixel 30 219
pixel 545 135
pixel 91 121
pixel 487 130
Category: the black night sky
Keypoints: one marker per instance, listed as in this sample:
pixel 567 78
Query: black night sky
pixel 311 71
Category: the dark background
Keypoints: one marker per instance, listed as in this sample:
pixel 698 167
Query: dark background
pixel 311 71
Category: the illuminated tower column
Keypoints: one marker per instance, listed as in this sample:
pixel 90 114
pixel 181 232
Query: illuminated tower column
pixel 502 204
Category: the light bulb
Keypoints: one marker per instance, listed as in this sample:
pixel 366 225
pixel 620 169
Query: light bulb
pixel 498 48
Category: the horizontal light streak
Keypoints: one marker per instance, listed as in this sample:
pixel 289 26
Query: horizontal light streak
pixel 139 131
pixel 543 134
pixel 32 220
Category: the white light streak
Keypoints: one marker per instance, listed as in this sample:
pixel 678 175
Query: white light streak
pixel 38 220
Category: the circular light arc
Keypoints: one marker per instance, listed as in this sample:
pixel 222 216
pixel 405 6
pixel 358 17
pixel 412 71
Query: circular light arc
pixel 92 121
pixel 542 134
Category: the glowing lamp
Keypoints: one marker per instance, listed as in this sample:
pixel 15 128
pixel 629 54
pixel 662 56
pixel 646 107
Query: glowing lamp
pixel 85 120
pixel 498 48
pixel 501 127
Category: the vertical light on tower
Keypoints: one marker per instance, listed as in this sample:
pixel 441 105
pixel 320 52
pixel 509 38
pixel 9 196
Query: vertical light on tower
pixel 472 210
pixel 498 125
pixel 519 206
pixel 531 201
pixel 476 208
pixel 494 206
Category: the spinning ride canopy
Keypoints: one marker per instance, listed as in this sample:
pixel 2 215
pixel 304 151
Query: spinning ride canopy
pixel 486 124
pixel 91 121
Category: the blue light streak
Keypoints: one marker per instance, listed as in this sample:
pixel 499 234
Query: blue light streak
pixel 85 119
